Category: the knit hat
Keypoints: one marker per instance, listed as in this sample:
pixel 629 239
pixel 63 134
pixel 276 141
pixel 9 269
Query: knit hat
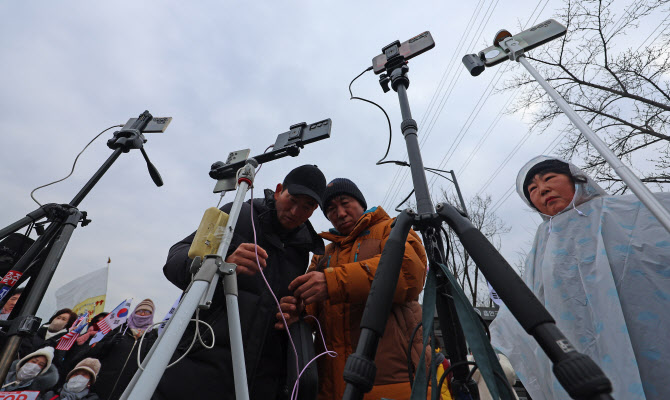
pixel 90 365
pixel 47 352
pixel 341 186
pixel 306 179
pixel 145 304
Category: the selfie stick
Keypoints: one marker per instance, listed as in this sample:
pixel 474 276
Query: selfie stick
pixel 199 294
pixel 513 48
pixel 63 219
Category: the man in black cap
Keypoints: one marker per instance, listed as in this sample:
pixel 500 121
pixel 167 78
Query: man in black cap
pixel 284 240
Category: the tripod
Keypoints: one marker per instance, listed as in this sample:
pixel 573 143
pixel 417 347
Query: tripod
pixel 237 169
pixel 199 294
pixel 581 377
pixel 50 246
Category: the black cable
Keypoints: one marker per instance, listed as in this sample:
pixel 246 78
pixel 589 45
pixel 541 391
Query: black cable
pixel 410 364
pixel 388 120
pixel 397 208
pixel 470 374
pixel 449 370
pixel 73 165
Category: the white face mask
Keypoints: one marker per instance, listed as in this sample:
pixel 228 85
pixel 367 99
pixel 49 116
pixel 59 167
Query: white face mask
pixel 28 371
pixel 77 383
pixel 56 325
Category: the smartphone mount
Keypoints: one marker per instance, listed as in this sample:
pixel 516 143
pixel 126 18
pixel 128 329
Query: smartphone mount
pixel 240 171
pixel 513 47
pixel 48 249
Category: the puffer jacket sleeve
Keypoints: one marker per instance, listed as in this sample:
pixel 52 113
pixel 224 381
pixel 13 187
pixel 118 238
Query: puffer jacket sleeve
pixel 351 282
pixel 177 266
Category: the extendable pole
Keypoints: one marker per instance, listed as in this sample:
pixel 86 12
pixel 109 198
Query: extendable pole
pixel 409 129
pixel 162 351
pixel 634 183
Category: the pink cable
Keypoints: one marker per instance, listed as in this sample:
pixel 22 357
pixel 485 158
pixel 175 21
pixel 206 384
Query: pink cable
pixel 330 353
pixel 295 351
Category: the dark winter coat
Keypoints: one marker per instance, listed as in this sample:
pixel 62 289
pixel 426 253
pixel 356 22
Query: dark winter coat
pixel 207 374
pixel 117 353
pixel 39 340
pixel 56 395
pixel 66 360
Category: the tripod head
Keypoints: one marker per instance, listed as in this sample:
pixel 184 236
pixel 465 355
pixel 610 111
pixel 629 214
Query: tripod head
pixel 131 136
pixel 394 58
pixel 287 144
pixel 507 46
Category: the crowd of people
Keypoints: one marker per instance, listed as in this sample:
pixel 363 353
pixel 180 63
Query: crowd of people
pixel 89 368
pixel 599 264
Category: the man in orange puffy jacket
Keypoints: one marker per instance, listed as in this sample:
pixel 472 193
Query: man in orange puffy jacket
pixel 337 285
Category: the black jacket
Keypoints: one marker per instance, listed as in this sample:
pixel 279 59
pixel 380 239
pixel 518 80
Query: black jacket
pixel 117 353
pixel 208 373
pixel 39 340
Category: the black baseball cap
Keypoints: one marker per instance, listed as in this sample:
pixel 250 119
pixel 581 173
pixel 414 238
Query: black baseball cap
pixel 306 179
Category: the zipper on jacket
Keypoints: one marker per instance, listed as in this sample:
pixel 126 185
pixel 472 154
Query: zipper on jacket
pixel 357 249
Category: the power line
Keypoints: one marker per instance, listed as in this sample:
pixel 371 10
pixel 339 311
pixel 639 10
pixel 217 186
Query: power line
pixel 450 152
pixel 438 89
pixel 654 31
pixel 402 173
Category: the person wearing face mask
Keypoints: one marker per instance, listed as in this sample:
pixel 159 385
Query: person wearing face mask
pixel 68 359
pixel 78 383
pixel 600 265
pixel 117 351
pixel 49 334
pixel 33 372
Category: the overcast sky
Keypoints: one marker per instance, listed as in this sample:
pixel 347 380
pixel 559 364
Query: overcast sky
pixel 234 75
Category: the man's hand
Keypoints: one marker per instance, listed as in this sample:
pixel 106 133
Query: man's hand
pixel 245 258
pixel 310 287
pixel 291 308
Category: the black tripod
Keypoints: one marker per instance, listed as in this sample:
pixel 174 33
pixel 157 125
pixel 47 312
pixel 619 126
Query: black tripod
pixel 50 246
pixel 578 374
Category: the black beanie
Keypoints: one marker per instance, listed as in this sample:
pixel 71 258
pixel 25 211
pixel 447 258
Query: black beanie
pixel 341 186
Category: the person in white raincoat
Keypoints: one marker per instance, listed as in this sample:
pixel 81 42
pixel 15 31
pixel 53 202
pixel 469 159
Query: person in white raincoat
pixel 600 264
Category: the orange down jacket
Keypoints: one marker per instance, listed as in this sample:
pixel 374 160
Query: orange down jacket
pixel 349 264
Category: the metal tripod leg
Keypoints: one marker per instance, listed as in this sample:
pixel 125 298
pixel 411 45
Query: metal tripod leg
pixel 200 294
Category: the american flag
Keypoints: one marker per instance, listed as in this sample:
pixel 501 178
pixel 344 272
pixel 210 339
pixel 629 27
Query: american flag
pixel 66 342
pixel 117 317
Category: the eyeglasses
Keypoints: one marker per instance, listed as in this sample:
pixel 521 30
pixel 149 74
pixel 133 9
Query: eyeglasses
pixel 143 312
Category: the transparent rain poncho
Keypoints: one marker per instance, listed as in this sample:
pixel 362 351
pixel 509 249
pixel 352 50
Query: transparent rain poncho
pixel 601 267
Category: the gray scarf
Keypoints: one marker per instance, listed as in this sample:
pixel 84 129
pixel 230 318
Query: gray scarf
pixel 67 395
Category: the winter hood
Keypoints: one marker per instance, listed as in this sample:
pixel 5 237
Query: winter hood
pixel 584 191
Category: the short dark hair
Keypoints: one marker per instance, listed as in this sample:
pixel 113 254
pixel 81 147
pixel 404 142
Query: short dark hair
pixel 545 167
pixel 98 318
